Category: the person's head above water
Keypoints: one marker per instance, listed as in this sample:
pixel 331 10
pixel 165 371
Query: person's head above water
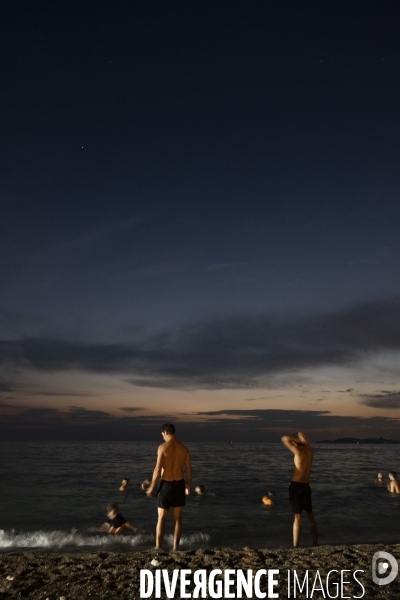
pixel 112 510
pixel 200 489
pixel 267 500
pixel 124 485
pixel 380 476
pixel 392 475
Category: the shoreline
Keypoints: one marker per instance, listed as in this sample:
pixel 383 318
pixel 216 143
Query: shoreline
pixel 104 575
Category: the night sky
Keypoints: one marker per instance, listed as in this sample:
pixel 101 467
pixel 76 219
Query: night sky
pixel 199 219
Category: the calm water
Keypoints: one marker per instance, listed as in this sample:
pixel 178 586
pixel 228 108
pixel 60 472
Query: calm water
pixel 53 495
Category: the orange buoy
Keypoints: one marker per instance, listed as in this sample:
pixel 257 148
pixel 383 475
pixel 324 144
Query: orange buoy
pixel 268 501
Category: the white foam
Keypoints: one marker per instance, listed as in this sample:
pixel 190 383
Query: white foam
pixel 74 538
pixel 62 539
pixel 190 540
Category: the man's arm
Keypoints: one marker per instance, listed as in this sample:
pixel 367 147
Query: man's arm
pixel 291 443
pixel 389 486
pixel 157 470
pixel 303 438
pixel 188 469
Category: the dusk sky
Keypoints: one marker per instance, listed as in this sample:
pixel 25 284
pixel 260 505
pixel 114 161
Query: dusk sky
pixel 199 219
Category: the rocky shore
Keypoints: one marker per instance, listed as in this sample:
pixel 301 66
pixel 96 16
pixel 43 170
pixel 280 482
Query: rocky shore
pixel 116 576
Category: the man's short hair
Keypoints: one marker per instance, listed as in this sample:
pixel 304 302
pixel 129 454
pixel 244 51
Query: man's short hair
pixel 168 428
pixel 112 506
pixel 393 474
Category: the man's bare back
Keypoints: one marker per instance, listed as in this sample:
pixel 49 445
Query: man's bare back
pixel 303 460
pixel 174 456
pixel 303 456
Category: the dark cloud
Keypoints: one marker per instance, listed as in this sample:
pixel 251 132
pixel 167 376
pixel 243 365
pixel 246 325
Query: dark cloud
pixel 265 421
pixel 274 417
pixel 59 355
pixel 38 413
pixel 131 409
pixel 67 394
pixel 80 413
pixel 223 425
pixel 385 399
pixel 240 352
pixel 5 386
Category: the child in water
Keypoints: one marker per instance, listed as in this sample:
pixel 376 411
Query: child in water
pixel 124 485
pixel 269 499
pixel 115 521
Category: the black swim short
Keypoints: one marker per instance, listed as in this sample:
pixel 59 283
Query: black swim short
pixel 171 493
pixel 300 497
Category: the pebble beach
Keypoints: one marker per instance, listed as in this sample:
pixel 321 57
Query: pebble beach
pixel 116 576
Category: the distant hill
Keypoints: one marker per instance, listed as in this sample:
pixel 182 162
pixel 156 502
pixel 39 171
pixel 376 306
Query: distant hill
pixel 359 441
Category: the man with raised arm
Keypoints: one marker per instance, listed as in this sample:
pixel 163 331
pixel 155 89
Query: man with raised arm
pixel 299 489
pixel 172 456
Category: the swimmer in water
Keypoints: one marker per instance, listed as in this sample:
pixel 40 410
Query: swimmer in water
pixel 393 485
pixel 379 478
pixel 200 490
pixel 269 499
pixel 145 485
pixel 124 484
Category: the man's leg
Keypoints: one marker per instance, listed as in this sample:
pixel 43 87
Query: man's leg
pixel 313 525
pixel 296 529
pixel 177 525
pixel 160 529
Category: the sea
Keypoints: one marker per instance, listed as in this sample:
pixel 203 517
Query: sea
pixel 53 495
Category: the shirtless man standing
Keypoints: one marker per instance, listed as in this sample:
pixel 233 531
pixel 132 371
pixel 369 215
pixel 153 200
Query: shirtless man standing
pixel 172 456
pixel 393 484
pixel 299 489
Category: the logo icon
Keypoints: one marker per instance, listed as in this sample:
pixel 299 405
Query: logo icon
pixel 381 561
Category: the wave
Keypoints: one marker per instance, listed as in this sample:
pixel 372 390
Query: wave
pixel 76 539
pixel 195 539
